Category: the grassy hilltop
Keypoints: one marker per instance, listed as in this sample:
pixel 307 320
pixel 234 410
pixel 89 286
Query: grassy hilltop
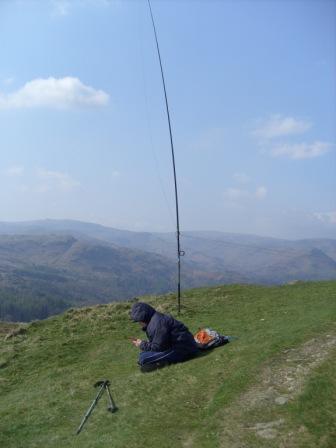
pixel 273 387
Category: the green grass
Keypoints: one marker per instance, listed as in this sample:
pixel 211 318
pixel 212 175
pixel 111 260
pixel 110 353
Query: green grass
pixel 47 373
pixel 315 408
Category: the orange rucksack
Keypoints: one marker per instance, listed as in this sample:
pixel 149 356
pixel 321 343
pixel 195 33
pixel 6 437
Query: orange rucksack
pixel 208 338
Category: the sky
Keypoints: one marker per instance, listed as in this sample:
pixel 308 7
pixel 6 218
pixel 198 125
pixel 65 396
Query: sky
pixel 252 93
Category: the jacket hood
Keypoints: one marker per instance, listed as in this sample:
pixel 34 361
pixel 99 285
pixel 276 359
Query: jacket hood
pixel 142 312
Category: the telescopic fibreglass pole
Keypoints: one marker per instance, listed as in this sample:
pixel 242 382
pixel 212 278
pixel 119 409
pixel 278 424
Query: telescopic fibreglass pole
pixel 179 251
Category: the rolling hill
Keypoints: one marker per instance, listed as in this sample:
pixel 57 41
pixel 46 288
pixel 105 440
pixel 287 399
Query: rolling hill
pixel 47 266
pixel 41 275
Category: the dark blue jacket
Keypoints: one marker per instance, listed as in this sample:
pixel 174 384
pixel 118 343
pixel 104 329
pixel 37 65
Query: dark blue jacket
pixel 163 332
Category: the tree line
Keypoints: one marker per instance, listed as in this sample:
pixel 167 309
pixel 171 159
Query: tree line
pixel 15 308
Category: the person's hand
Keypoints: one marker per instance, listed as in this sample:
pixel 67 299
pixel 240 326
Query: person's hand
pixel 136 342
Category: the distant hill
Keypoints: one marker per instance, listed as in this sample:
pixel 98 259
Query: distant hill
pixel 68 262
pixel 255 258
pixel 41 275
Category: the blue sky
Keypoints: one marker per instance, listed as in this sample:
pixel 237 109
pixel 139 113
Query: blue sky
pixel 252 92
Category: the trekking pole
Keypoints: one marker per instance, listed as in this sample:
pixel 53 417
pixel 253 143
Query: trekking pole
pixel 112 407
pixel 104 385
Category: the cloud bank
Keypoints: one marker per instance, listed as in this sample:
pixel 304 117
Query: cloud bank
pixel 61 7
pixel 56 93
pixel 14 171
pixel 40 180
pixel 327 217
pixel 237 194
pixel 301 150
pixel 272 132
pixel 280 126
pixel 55 180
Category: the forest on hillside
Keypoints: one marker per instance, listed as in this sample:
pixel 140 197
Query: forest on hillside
pixel 24 309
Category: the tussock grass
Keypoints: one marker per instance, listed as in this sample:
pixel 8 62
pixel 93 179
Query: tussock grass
pixel 48 371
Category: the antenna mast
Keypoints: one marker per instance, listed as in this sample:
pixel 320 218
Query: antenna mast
pixel 179 251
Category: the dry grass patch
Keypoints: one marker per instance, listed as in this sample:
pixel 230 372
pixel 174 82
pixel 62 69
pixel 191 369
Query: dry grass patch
pixel 280 382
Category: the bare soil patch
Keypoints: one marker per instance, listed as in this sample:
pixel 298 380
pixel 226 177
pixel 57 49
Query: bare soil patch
pixel 281 381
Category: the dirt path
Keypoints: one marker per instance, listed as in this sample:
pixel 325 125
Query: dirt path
pixel 280 382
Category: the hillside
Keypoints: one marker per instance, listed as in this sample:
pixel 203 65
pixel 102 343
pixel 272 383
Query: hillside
pixel 42 275
pixel 48 266
pixel 273 386
pixel 256 259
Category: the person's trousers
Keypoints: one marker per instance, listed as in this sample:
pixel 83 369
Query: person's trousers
pixel 168 356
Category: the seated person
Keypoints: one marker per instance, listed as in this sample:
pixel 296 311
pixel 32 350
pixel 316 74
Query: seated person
pixel 169 341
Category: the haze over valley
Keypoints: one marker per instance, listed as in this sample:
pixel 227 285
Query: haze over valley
pixel 49 265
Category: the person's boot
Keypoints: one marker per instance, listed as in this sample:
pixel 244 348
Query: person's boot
pixel 153 366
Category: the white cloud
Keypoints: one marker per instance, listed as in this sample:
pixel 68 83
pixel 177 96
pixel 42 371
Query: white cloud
pixel 327 217
pixel 54 93
pixel 242 178
pixel 237 194
pixel 280 126
pixel 301 151
pixel 14 171
pixel 261 192
pixel 8 81
pixel 61 7
pixel 41 180
pixel 55 180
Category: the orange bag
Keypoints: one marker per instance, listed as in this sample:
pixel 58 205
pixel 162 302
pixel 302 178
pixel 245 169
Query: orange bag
pixel 203 337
